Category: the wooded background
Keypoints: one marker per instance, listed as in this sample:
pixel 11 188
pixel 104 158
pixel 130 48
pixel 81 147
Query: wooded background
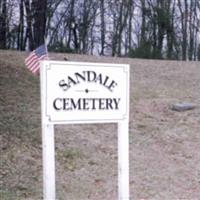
pixel 158 29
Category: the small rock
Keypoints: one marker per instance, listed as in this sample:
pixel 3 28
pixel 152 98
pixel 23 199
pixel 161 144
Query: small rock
pixel 182 107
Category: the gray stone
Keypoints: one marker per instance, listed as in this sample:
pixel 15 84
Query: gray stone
pixel 182 107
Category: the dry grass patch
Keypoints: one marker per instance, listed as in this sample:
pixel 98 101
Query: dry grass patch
pixel 164 145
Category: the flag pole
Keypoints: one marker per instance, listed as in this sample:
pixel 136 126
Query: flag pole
pixel 45 44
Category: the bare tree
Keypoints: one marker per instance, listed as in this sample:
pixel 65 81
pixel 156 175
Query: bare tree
pixel 3 24
pixel 39 9
pixel 183 8
pixel 71 22
pixel 193 30
pixel 29 33
pixel 139 28
pixel 20 39
pixel 103 27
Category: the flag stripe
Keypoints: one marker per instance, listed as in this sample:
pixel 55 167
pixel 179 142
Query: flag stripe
pixel 33 60
pixel 35 66
pixel 29 57
pixel 36 61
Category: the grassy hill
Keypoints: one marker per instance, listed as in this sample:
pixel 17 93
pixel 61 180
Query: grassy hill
pixel 164 145
pixel 20 127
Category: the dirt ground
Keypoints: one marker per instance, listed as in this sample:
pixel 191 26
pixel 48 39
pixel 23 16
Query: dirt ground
pixel 164 144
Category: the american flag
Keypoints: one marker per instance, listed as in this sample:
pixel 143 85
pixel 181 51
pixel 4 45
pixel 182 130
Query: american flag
pixel 33 60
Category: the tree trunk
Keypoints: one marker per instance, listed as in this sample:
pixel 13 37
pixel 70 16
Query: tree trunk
pixel 102 9
pixel 130 9
pixel 39 15
pixel 120 29
pixel 20 45
pixel 143 27
pixel 170 31
pixel 184 18
pixel 3 25
pixel 71 22
pixel 161 27
pixel 29 25
pixel 76 41
pixel 185 32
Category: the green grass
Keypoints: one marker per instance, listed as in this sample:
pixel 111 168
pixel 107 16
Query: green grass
pixel 69 158
pixel 7 195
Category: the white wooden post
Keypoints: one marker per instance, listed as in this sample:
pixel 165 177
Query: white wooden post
pixel 48 146
pixel 123 160
pixel 48 162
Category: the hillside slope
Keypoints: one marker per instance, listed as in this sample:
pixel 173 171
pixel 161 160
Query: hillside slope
pixel 164 145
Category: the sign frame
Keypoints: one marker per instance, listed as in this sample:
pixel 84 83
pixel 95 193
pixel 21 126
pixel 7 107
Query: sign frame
pixel 48 143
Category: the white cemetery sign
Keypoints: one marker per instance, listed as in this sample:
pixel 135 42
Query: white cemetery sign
pixel 78 92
